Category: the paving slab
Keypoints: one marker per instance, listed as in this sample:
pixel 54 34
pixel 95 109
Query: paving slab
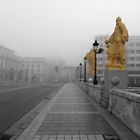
pixel 69 116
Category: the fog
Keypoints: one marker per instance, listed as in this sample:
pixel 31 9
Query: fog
pixel 62 28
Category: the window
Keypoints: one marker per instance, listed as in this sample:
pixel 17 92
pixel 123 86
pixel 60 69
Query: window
pixel 100 65
pixel 137 44
pixel 138 65
pixel 1 64
pixel 138 51
pixel 6 65
pixel 1 76
pixel 32 71
pixel 137 58
pixel 100 72
pixel 131 44
pixel 26 71
pixel 132 51
pixel 134 72
pixel 100 59
pixel 131 65
pixel 131 58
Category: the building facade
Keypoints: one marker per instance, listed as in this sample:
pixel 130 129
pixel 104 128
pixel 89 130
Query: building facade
pixel 10 65
pixel 68 74
pixel 14 68
pixel 133 60
pixel 57 66
pixel 36 69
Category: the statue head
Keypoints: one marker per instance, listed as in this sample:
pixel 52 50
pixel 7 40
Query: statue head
pixel 118 20
pixel 109 45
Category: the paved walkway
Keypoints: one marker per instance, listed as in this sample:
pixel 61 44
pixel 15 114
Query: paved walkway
pixel 69 116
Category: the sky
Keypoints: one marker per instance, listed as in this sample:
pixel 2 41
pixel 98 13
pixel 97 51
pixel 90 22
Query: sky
pixel 62 28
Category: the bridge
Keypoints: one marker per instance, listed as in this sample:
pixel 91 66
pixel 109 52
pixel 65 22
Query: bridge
pixel 78 112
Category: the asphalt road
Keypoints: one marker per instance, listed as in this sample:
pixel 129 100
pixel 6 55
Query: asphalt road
pixel 14 104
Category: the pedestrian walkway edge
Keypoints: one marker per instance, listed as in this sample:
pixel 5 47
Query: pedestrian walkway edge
pixel 37 121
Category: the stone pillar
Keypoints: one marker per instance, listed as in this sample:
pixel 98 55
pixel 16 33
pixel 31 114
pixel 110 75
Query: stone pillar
pixel 112 78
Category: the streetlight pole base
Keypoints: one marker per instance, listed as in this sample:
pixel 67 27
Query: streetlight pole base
pixel 95 81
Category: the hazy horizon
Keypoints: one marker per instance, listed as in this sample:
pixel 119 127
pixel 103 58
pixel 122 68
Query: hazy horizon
pixel 62 28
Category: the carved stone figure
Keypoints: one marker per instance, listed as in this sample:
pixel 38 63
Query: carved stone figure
pixel 91 62
pixel 116 47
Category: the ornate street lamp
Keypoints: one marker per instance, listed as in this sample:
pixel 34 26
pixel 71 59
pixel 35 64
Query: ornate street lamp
pixel 96 50
pixel 80 71
pixel 85 74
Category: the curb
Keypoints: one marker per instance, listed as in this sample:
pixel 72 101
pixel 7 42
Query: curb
pixel 16 129
pixel 20 125
pixel 37 121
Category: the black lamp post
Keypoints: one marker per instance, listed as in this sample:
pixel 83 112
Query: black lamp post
pixel 80 71
pixel 85 78
pixel 96 50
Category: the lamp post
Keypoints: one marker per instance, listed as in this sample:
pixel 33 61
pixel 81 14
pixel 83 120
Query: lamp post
pixel 96 50
pixel 85 74
pixel 80 71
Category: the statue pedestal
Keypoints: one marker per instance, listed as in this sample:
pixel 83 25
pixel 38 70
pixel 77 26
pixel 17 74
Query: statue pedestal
pixel 122 75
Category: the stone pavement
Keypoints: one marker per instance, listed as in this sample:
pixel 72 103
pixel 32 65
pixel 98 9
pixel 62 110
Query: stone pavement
pixel 70 115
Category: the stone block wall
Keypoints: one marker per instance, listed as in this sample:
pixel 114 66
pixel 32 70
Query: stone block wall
pixel 122 104
pixel 94 91
pixel 126 107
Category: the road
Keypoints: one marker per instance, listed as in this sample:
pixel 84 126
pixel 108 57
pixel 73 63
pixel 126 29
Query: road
pixel 14 104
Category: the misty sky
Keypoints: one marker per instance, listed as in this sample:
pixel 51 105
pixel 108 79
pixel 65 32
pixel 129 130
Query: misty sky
pixel 62 28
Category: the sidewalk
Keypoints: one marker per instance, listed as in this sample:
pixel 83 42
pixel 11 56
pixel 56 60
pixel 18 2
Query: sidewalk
pixel 71 115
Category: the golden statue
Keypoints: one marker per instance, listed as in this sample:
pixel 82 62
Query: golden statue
pixel 91 62
pixel 116 47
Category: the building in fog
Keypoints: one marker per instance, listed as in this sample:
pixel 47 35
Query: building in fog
pixel 56 62
pixel 57 66
pixel 68 74
pixel 10 65
pixel 36 69
pixel 14 68
pixel 133 58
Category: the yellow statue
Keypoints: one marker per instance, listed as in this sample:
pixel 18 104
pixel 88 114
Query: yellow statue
pixel 91 62
pixel 116 47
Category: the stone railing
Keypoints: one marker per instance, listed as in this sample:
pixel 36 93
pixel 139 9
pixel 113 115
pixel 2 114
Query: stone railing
pixel 122 104
pixel 126 107
pixel 94 91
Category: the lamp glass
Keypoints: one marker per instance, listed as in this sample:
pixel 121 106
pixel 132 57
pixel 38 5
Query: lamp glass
pixel 95 44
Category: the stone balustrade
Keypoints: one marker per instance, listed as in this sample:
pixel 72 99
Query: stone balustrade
pixel 126 107
pixel 122 104
pixel 94 91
